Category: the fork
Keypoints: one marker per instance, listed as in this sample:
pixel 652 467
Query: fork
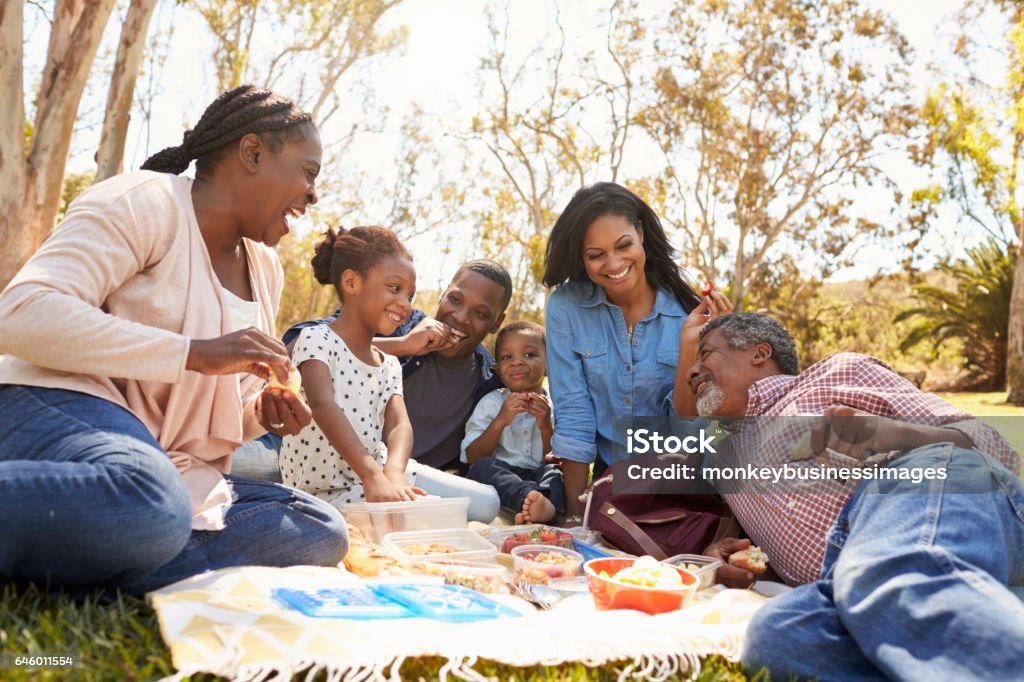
pixel 541 596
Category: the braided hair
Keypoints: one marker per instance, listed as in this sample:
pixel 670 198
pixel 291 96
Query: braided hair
pixel 236 113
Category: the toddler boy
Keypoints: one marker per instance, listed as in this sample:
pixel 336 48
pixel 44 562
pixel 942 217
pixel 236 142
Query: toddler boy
pixel 510 430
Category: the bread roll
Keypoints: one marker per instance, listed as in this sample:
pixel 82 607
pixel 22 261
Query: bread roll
pixel 367 561
pixel 802 448
pixel 751 559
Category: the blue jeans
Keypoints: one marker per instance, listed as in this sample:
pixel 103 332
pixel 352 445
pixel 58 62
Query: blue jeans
pixel 915 586
pixel 258 459
pixel 89 498
pixel 483 499
pixel 514 483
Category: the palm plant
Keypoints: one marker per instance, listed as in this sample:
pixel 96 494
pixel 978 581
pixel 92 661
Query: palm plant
pixel 977 313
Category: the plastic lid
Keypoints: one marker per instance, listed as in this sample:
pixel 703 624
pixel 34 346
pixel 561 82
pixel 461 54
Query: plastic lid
pixel 360 603
pixel 460 538
pixel 451 603
pixel 405 506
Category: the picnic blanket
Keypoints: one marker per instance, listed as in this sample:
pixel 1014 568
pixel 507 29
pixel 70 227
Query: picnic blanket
pixel 227 623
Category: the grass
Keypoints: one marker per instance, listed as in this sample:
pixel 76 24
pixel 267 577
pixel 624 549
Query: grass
pixel 993 409
pixel 111 640
pixel 118 639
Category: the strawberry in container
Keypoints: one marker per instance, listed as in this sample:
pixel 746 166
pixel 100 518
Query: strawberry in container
pixel 545 535
pixel 539 564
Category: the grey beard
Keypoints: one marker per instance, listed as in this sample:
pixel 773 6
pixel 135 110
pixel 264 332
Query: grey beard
pixel 710 401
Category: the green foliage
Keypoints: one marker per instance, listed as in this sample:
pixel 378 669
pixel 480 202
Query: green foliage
pixel 761 109
pixel 974 128
pixel 261 41
pixel 975 313
pixel 74 184
pixel 966 141
pixel 857 317
pixel 303 298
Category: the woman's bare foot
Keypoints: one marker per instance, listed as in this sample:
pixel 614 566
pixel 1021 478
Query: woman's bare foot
pixel 536 509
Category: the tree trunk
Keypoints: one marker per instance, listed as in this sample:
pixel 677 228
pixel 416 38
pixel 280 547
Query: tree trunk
pixel 31 183
pixel 12 116
pixel 1015 337
pixel 13 167
pixel 116 116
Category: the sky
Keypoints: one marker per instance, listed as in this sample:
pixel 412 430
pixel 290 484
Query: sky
pixel 436 70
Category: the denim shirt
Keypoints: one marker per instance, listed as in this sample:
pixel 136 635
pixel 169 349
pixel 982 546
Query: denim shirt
pixel 487 382
pixel 595 373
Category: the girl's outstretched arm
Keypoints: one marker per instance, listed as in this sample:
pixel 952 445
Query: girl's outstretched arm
pixel 399 437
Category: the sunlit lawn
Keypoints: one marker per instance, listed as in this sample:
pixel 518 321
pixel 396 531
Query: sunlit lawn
pixel 993 408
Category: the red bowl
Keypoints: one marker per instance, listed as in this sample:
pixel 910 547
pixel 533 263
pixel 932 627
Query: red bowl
pixel 609 594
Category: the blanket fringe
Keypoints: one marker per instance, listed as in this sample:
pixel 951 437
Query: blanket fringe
pixel 662 667
pixel 683 663
pixel 656 668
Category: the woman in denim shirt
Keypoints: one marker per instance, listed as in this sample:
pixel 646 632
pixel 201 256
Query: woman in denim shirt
pixel 620 330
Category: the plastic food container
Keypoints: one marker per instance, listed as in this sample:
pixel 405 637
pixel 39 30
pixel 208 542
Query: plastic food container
pixel 539 564
pixel 476 575
pixel 610 594
pixel 430 545
pixel 537 534
pixel 704 567
pixel 377 519
pixel 570 584
pixel 542 535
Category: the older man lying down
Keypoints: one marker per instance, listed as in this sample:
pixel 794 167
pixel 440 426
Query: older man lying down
pixel 904 576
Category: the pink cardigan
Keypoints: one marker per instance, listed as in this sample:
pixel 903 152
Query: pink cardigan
pixel 107 306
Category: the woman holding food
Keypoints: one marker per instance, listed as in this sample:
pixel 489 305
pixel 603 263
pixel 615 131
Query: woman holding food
pixel 622 327
pixel 135 347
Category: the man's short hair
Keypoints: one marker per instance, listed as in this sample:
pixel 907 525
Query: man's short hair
pixel 520 326
pixel 743 330
pixel 493 271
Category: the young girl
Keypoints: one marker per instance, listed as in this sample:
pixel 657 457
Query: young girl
pixel 354 390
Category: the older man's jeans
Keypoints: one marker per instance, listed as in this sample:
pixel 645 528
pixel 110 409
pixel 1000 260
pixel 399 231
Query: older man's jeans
pixel 88 498
pixel 914 586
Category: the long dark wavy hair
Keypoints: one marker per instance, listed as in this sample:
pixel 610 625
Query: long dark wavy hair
pixel 563 257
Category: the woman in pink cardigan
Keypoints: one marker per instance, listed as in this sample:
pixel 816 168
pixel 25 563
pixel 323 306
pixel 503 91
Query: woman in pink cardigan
pixel 136 343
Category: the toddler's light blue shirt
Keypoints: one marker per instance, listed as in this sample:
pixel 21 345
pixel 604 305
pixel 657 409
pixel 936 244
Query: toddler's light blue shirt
pixel 521 443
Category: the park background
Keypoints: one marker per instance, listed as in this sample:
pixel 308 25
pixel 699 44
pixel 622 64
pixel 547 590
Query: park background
pixel 851 166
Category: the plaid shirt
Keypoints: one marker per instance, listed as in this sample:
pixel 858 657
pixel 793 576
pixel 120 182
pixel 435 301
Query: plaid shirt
pixel 792 525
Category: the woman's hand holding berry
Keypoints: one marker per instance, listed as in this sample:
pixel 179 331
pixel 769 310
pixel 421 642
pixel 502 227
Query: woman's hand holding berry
pixel 715 304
